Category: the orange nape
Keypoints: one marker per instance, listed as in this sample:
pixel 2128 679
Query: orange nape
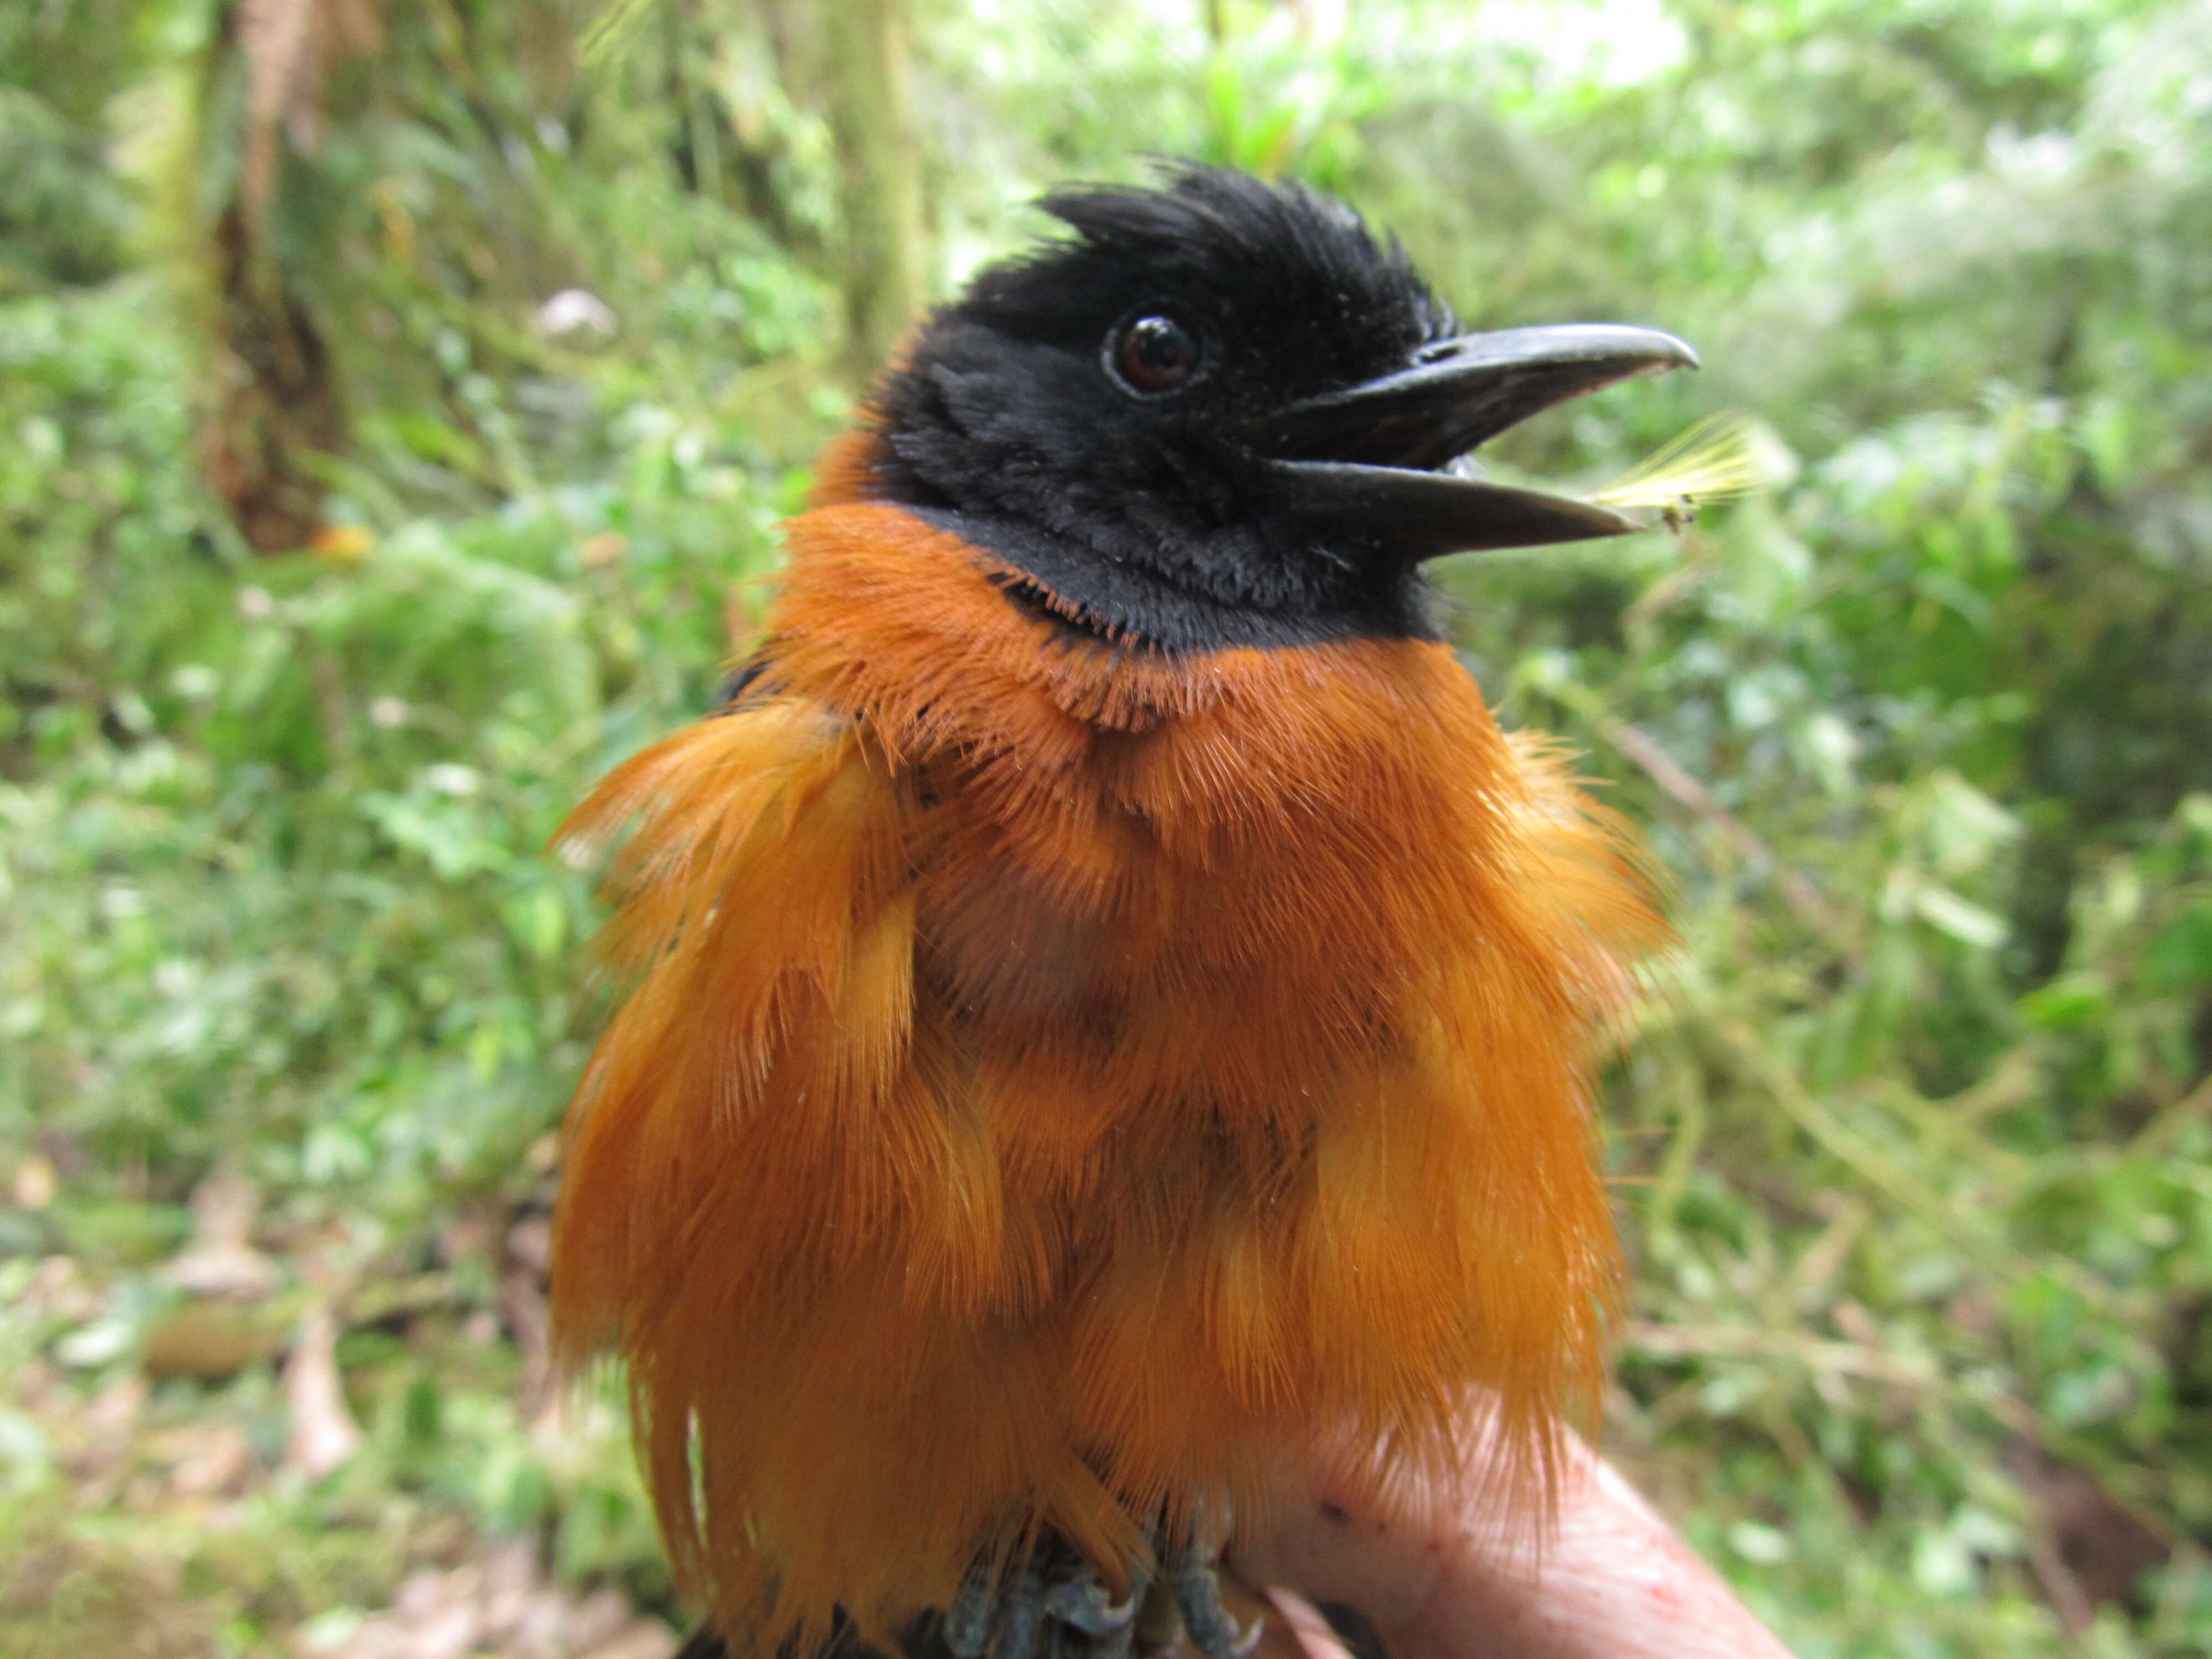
pixel 1058 1080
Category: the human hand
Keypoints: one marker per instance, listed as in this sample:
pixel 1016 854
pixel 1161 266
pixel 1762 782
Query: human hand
pixel 1613 1582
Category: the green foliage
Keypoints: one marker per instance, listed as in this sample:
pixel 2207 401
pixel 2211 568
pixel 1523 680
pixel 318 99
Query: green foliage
pixel 63 219
pixel 1913 1142
pixel 308 799
pixel 273 854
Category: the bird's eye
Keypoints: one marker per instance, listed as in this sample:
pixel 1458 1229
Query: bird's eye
pixel 1152 355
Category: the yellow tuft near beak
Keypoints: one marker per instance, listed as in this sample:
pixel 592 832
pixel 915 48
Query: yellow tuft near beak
pixel 1715 460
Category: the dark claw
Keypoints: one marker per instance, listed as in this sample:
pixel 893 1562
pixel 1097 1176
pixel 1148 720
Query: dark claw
pixel 1081 1601
pixel 968 1621
pixel 1060 1606
pixel 1021 1618
pixel 1198 1594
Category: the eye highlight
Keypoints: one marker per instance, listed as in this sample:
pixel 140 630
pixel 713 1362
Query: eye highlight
pixel 1152 355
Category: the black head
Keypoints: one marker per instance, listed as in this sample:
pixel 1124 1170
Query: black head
pixel 1213 417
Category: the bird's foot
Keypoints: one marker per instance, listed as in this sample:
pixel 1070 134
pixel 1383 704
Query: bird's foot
pixel 1194 1578
pixel 1061 1607
pixel 1058 1606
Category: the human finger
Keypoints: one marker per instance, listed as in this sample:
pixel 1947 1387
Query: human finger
pixel 1437 1580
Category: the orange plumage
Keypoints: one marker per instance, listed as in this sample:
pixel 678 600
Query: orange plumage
pixel 1061 1077
pixel 921 1260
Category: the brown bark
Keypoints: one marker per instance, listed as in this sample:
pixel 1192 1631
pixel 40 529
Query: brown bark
pixel 273 406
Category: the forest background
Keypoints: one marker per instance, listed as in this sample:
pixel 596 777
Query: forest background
pixel 396 400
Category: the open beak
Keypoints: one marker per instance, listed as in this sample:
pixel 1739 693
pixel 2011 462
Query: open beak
pixel 1360 462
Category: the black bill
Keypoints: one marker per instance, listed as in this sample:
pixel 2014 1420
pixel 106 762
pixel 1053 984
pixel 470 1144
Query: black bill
pixel 1362 459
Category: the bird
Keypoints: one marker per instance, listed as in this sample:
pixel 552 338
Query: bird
pixel 1103 1006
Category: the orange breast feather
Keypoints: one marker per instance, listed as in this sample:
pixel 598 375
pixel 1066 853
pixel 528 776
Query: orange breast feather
pixel 1055 1079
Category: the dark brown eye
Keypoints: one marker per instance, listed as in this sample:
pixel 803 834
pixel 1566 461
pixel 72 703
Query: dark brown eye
pixel 1152 355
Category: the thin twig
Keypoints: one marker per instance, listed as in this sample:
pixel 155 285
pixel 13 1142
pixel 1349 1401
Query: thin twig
pixel 2158 1136
pixel 2076 1611
pixel 1751 1342
pixel 1663 770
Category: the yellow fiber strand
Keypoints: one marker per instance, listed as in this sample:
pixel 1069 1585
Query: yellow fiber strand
pixel 1715 460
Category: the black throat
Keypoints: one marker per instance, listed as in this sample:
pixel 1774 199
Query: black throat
pixel 1173 545
pixel 1128 603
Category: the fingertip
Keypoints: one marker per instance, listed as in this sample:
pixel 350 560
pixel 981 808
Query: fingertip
pixel 1306 1633
pixel 1339 1538
pixel 1445 1579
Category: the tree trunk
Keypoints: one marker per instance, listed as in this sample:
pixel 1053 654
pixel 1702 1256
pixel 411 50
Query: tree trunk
pixel 272 411
pixel 879 178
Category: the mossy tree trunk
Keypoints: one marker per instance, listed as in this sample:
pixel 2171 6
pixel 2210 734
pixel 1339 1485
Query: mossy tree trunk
pixel 272 410
pixel 879 177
